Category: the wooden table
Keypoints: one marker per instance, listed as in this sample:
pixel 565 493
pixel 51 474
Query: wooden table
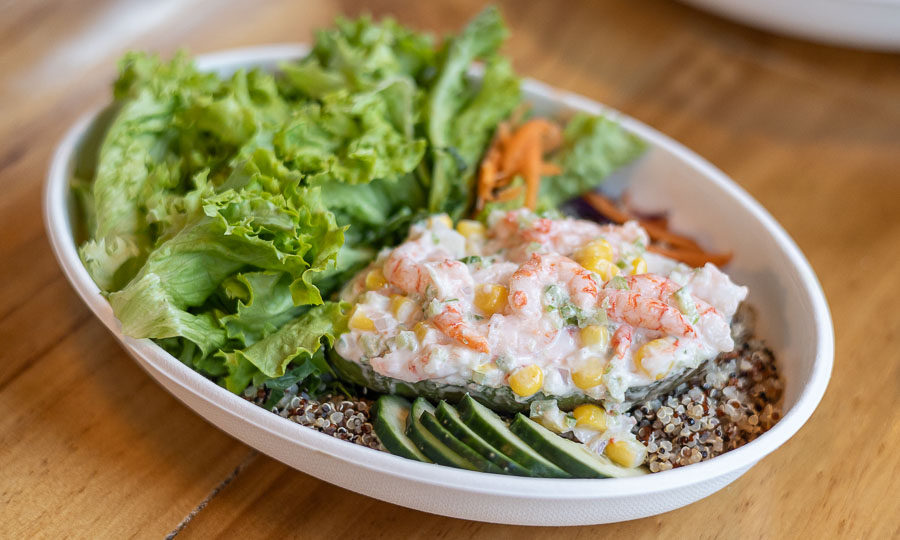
pixel 91 446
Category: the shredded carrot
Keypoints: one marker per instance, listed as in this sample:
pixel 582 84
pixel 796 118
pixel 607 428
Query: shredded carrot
pixel 675 240
pixel 503 133
pixel 691 257
pixel 658 221
pixel 515 152
pixel 487 174
pixel 509 194
pixel 531 171
pixel 682 248
pixel 606 207
pixel 533 132
pixel 550 169
pixel 661 234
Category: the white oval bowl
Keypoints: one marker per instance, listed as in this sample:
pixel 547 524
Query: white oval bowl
pixel 794 320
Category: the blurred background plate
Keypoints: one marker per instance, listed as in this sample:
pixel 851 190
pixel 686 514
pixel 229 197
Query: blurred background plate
pixel 866 24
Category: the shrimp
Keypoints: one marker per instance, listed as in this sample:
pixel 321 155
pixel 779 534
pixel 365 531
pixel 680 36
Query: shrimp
pixel 529 282
pixel 644 311
pixel 652 285
pixel 711 321
pixel 405 270
pixel 450 321
pixel 621 340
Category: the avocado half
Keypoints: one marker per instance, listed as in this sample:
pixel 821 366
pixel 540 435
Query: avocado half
pixel 501 399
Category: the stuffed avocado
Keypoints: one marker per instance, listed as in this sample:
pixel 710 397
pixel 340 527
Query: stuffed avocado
pixel 530 309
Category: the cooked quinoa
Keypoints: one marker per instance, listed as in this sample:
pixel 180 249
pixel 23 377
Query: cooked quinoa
pixel 730 402
pixel 341 417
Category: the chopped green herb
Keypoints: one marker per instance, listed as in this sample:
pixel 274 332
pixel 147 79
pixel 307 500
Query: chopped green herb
pixel 686 304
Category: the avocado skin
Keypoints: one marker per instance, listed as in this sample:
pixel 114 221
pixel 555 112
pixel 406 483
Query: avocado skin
pixel 502 399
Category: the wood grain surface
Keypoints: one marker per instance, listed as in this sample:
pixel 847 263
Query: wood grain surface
pixel 91 447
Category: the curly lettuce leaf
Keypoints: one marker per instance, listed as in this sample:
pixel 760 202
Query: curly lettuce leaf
pixel 452 95
pixel 174 123
pixel 593 147
pixel 294 343
pixel 473 127
pixel 353 138
pixel 263 304
pixel 356 55
pixel 290 234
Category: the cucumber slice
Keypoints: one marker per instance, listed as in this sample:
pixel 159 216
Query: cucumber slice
pixel 390 415
pixel 432 425
pixel 571 456
pixel 451 421
pixel 430 445
pixel 490 427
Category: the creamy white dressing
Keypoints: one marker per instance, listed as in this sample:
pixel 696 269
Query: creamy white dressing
pixel 402 348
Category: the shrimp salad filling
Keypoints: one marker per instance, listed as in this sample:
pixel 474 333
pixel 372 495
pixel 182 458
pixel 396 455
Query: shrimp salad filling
pixel 539 306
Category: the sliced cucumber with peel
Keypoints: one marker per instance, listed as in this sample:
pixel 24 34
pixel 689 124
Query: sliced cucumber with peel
pixel 490 427
pixel 452 422
pixel 390 419
pixel 430 422
pixel 477 439
pixel 430 445
pixel 573 457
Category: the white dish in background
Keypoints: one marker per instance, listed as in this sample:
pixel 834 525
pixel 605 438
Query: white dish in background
pixel 794 319
pixel 866 24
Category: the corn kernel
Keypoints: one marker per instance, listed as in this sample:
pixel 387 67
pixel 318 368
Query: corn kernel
pixel 470 228
pixel 527 380
pixel 443 219
pixel 590 374
pixel 360 321
pixel 655 358
pixel 491 298
pixel 595 336
pixel 402 307
pixel 626 452
pixel 605 269
pixel 421 329
pixel 590 416
pixel 596 249
pixel 375 279
pixel 638 266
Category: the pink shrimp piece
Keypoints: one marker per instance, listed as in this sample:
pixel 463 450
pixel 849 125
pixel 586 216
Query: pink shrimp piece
pixel 711 321
pixel 644 311
pixel 403 270
pixel 621 340
pixel 528 283
pixel 652 285
pixel 450 321
pixel 539 231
